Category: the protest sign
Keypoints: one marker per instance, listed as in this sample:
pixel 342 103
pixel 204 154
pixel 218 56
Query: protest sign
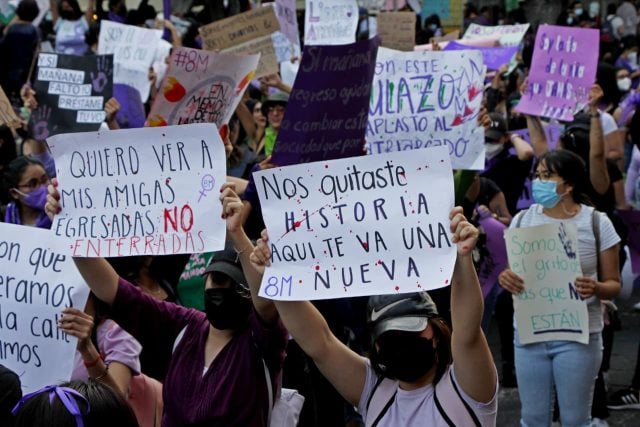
pixel 7 115
pixel 493 253
pixel 267 63
pixel 201 87
pixel 131 113
pixel 288 72
pixel 43 8
pixel 510 35
pixel 148 191
pixel 358 226
pixel 37 283
pixel 327 110
pixel 549 308
pixel 133 50
pixel 453 35
pixel 71 92
pixel 284 50
pixel 631 219
pixel 286 14
pixel 563 68
pixel 397 30
pixel 425 99
pixel 493 57
pixel 239 29
pixel 330 23
pixel 449 11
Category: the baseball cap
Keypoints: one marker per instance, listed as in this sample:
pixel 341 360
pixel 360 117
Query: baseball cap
pixel 400 312
pixel 278 98
pixel 227 262
pixel 498 127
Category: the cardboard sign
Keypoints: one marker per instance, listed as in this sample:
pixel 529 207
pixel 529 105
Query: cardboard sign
pixel 268 62
pixel 71 92
pixel 426 99
pixel 326 114
pixel 37 283
pixel 397 30
pixel 549 308
pixel 510 35
pixel 330 23
pixel 148 191
pixel 493 57
pixel 133 50
pixel 449 11
pixel 7 115
pixel 358 226
pixel 239 29
pixel 563 68
pixel 201 87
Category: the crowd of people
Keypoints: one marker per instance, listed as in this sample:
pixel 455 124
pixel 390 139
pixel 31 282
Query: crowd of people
pixel 185 340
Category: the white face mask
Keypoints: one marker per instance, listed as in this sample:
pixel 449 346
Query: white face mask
pixel 578 11
pixel 594 9
pixel 492 150
pixel 624 84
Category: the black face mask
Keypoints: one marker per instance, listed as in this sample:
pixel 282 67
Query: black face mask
pixel 69 15
pixel 405 356
pixel 225 308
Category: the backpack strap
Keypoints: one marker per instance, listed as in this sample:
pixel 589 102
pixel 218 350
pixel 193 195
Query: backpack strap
pixel 450 404
pixel 519 216
pixel 380 400
pixel 595 227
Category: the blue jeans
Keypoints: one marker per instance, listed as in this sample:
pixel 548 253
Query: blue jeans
pixel 568 366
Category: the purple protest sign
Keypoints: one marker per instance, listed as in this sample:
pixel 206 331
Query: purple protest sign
pixel 493 57
pixel 632 221
pixel 131 114
pixel 563 68
pixel 327 113
pixel 494 258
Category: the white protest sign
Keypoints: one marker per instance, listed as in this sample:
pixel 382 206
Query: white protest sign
pixel 330 23
pixel 146 191
pixel 36 283
pixel 133 49
pixel 510 35
pixel 550 308
pixel 358 226
pixel 425 99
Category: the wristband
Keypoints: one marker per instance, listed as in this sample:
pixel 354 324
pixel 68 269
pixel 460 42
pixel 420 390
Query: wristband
pixel 104 374
pixel 93 362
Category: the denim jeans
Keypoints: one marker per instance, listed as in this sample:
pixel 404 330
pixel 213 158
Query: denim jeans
pixel 568 366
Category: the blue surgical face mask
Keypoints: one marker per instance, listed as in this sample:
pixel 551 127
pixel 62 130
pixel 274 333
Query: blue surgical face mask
pixel 545 193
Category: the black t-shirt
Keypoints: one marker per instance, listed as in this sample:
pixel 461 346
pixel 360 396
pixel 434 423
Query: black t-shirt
pixel 488 190
pixel 509 173
pixel 606 202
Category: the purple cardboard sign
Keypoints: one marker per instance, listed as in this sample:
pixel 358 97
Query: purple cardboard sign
pixel 327 113
pixel 131 114
pixel 563 68
pixel 632 221
pixel 493 57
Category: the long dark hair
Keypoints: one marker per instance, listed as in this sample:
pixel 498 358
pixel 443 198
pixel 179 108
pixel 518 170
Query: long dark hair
pixel 77 12
pixel 571 168
pixel 14 170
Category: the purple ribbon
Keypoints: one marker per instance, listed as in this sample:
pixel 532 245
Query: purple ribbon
pixel 67 397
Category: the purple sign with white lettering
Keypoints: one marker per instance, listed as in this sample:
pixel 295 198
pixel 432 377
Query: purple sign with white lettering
pixel 563 69
pixel 493 57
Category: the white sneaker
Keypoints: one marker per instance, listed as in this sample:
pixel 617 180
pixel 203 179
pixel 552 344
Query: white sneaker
pixel 598 422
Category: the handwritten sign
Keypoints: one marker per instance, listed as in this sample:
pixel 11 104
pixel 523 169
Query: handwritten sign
pixel 148 191
pixel 632 221
pixel 510 35
pixel 330 23
pixel 268 62
pixel 286 14
pixel 493 57
pixel 358 226
pixel 240 28
pixel 201 87
pixel 7 115
pixel 426 99
pixel 563 68
pixel 397 30
pixel 71 92
pixel 327 111
pixel 449 11
pixel 133 49
pixel 550 308
pixel 37 283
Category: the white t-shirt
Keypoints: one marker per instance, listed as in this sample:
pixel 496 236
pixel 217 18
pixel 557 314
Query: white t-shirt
pixel 413 408
pixel 586 246
pixel 70 36
pixel 608 123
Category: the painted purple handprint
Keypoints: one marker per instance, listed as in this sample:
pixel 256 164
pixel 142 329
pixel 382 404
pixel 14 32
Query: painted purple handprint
pixel 40 120
pixel 100 79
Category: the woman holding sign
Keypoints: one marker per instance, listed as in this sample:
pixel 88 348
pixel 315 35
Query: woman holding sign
pixel 569 367
pixel 410 379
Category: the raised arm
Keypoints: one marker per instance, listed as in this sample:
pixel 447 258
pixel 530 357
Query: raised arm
pixel 91 8
pixel 53 7
pixel 524 151
pixel 538 138
pixel 598 174
pixel 345 369
pixel 474 366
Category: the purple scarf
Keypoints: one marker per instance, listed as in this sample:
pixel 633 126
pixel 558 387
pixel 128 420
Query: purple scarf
pixel 12 216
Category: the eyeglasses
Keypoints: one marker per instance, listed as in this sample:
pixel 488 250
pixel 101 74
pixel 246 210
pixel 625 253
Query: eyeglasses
pixel 542 175
pixel 490 141
pixel 34 183
pixel 276 109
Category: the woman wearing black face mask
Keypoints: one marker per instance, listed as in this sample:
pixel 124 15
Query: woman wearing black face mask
pixel 215 374
pixel 410 379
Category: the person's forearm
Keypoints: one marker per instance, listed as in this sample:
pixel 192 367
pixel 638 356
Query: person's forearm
pixel 537 136
pixel 608 289
pixel 466 300
pixel 524 151
pixel 598 173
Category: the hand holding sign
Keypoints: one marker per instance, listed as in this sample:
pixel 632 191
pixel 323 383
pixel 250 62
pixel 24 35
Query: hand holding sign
pixel 465 235
pixel 511 282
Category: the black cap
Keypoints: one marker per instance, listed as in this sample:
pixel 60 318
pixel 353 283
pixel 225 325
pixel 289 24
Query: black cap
pixel 400 312
pixel 498 127
pixel 227 262
pixel 277 98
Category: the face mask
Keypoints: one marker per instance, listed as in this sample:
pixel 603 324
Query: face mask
pixel 225 308
pixel 594 10
pixel 569 20
pixel 545 193
pixel 633 58
pixel 578 11
pixel 433 27
pixel 624 84
pixel 492 150
pixel 404 356
pixel 35 199
pixel 69 15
